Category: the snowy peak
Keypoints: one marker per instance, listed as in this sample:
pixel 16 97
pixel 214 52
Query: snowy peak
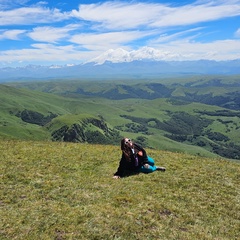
pixel 115 56
pixel 120 55
pixel 148 53
pixel 145 62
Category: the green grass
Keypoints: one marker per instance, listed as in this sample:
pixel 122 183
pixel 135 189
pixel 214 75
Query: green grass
pixel 73 110
pixel 66 191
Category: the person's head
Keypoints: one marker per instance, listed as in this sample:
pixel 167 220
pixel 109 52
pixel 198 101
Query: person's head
pixel 126 143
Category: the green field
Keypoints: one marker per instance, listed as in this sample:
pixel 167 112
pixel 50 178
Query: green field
pixel 66 191
pixel 199 116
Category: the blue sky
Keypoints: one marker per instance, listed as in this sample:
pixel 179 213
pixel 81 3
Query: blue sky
pixel 73 32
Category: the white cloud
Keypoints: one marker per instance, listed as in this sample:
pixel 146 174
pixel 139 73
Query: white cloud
pixel 45 53
pixel 51 34
pixel 175 31
pixel 194 13
pixel 166 38
pixel 112 15
pixel 237 33
pixel 190 50
pixel 6 4
pixel 125 15
pixel 107 40
pixel 31 15
pixel 11 34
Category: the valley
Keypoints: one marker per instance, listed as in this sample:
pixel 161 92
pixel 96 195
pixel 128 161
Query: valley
pixel 198 115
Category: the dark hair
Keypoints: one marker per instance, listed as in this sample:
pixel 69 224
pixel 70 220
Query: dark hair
pixel 123 146
pixel 126 149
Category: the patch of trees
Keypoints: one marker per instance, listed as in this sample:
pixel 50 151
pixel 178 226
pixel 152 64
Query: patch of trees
pixel 73 133
pixel 134 91
pixel 206 98
pixel 100 123
pixel 81 133
pixel 217 144
pixel 235 101
pixel 96 137
pixel 142 141
pixel 223 113
pixel 133 127
pixel 142 121
pixel 182 123
pixel 229 100
pixel 178 102
pixel 183 127
pixel 157 90
pixel 230 150
pixel 201 143
pixel 211 83
pixel 176 137
pixel 217 136
pixel 33 117
pixel 225 122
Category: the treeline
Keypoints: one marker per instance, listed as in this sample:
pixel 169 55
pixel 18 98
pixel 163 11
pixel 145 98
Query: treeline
pixel 34 117
pixel 180 123
pixel 222 113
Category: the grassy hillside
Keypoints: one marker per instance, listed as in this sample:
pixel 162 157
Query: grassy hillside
pixel 215 90
pixel 52 190
pixel 84 112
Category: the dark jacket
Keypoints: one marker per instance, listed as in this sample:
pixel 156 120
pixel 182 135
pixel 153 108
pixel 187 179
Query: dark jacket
pixel 127 166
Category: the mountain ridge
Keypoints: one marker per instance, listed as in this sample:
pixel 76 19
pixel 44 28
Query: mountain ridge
pixel 120 55
pixel 134 69
pixel 119 63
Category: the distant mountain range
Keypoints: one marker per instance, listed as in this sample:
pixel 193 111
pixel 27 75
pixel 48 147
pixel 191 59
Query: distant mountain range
pixel 119 63
pixel 120 55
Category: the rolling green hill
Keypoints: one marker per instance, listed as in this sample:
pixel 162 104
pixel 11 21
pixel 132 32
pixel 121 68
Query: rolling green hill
pixel 57 190
pixel 222 91
pixel 198 116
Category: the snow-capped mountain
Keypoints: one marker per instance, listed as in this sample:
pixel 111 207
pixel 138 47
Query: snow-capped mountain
pixel 111 55
pixel 120 55
pixel 119 63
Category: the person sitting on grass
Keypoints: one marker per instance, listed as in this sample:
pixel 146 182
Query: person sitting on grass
pixel 134 160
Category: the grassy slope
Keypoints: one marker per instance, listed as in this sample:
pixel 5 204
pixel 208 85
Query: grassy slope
pixel 14 100
pixel 66 191
pixel 110 110
pixel 18 99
